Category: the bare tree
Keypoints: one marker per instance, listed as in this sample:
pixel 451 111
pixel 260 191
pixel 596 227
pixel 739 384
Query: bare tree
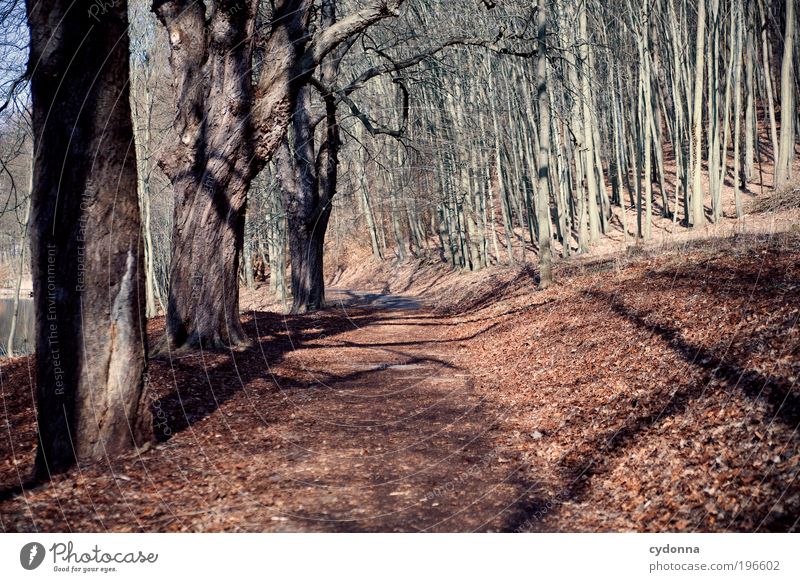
pixel 543 202
pixel 783 169
pixel 86 238
pixel 229 123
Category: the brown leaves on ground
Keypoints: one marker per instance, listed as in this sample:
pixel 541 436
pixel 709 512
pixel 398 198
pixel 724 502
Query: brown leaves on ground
pixel 659 394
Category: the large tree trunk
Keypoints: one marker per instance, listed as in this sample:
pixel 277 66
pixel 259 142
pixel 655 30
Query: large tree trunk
pixel 309 179
pixel 306 244
pixel 210 170
pixel 85 238
pixel 228 128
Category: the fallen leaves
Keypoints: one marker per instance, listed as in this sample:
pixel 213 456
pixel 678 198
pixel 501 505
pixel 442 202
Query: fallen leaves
pixel 660 396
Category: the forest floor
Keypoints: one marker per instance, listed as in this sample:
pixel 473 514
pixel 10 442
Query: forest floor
pixel 653 390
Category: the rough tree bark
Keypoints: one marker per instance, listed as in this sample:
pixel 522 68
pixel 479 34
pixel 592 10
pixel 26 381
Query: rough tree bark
pixel 308 179
pixel 210 169
pixel 308 187
pixel 229 125
pixel 85 238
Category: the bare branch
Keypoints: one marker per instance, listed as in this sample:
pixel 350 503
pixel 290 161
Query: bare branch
pixel 333 36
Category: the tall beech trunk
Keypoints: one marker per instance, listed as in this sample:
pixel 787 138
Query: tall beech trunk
pixel 698 209
pixel 588 122
pixel 737 105
pixel 783 171
pixel 543 193
pixel 766 52
pixel 85 238
pixel 309 179
pixel 750 108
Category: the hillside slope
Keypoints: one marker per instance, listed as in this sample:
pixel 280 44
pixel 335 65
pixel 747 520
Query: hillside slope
pixel 652 392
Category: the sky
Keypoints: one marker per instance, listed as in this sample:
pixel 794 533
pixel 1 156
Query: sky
pixel 13 47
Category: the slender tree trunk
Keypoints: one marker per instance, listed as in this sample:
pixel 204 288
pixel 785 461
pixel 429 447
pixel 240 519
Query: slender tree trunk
pixel 618 157
pixel 646 229
pixel 783 171
pixel 23 240
pixel 737 106
pixel 85 239
pixel 717 208
pixel 588 121
pixel 502 189
pixel 698 210
pixel 713 111
pixel 543 200
pixel 142 103
pixel 750 108
pixel 562 201
pixel 766 51
pixel 366 206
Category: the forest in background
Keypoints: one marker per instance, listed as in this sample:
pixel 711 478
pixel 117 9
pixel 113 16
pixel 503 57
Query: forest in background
pixel 266 149
pixel 439 133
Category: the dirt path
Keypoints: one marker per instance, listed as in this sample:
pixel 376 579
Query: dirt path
pixel 358 419
pixel 391 434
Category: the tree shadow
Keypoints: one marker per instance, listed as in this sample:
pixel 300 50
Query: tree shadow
pixel 781 396
pixel 204 381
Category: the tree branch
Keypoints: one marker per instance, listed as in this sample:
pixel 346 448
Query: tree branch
pixel 333 36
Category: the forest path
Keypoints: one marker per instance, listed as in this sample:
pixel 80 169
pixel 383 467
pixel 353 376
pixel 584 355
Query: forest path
pixel 360 417
pixel 388 435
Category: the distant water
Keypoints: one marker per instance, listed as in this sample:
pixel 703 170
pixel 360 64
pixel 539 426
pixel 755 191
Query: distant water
pixel 24 337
